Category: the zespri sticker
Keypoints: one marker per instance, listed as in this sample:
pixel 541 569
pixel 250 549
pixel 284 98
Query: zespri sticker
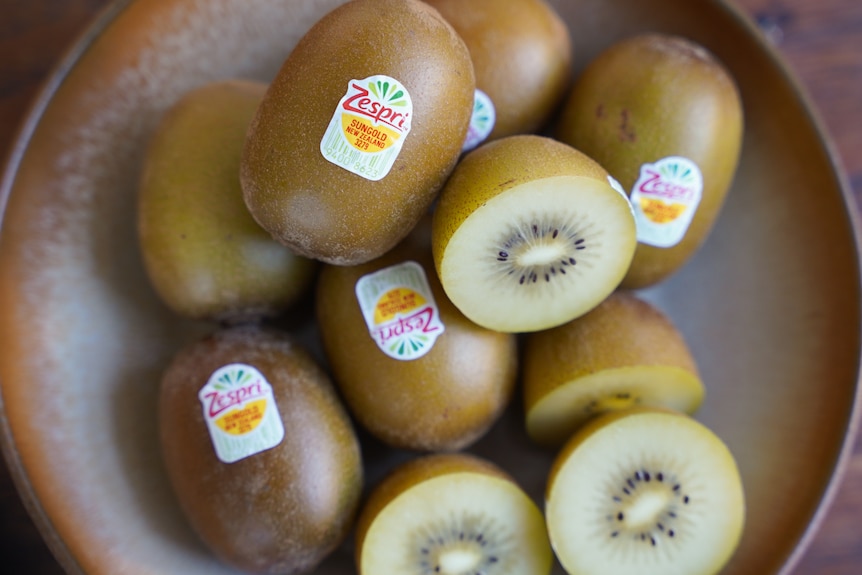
pixel 369 126
pixel 482 120
pixel 240 412
pixel 665 198
pixel 399 310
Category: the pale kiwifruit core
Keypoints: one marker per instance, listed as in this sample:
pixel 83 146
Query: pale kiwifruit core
pixel 464 543
pixel 539 252
pixel 646 507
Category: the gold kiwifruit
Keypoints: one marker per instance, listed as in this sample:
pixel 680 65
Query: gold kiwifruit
pixel 447 514
pixel 205 255
pixel 521 55
pixel 625 352
pixel 412 369
pixel 530 233
pixel 664 117
pixel 359 130
pixel 259 450
pixel 644 492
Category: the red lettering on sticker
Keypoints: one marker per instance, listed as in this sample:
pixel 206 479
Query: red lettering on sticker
pixel 654 185
pixel 419 321
pixel 360 103
pixel 218 402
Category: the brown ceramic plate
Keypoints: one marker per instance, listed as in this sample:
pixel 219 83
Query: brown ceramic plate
pixel 770 305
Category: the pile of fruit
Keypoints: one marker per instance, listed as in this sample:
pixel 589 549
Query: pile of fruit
pixel 470 222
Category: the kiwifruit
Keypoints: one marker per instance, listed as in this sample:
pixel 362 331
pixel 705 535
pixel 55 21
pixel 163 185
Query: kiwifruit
pixel 359 130
pixel 439 381
pixel 624 352
pixel 205 255
pixel 451 514
pixel 644 492
pixel 259 450
pixel 529 233
pixel 664 117
pixel 521 56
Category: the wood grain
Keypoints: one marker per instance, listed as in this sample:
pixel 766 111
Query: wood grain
pixel 821 42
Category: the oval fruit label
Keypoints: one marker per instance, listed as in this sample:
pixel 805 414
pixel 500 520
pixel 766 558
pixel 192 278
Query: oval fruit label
pixel 399 310
pixel 239 408
pixel 482 120
pixel 665 198
pixel 368 127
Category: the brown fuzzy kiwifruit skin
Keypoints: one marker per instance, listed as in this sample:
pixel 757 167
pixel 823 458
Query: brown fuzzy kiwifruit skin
pixel 282 510
pixel 649 97
pixel 322 210
pixel 521 53
pixel 442 401
pixel 204 254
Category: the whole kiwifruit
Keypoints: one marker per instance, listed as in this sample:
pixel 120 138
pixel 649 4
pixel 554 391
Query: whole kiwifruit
pixel 205 255
pixel 259 450
pixel 521 54
pixel 451 513
pixel 413 370
pixel 530 233
pixel 359 130
pixel 664 117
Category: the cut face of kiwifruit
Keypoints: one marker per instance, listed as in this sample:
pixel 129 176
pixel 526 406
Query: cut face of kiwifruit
pixel 559 413
pixel 451 514
pixel 530 233
pixel 623 353
pixel 642 492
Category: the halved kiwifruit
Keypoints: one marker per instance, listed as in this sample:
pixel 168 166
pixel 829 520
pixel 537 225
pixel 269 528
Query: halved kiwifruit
pixel 529 233
pixel 451 514
pixel 644 492
pixel 625 352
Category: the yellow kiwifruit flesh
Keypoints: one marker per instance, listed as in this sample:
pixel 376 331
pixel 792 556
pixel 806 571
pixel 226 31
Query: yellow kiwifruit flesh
pixel 625 352
pixel 451 514
pixel 529 233
pixel 205 255
pixel 643 492
pixel 443 400
pixel 521 55
pixel 326 211
pixel 284 505
pixel 657 97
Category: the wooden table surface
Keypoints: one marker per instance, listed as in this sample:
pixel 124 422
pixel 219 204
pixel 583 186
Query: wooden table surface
pixel 820 39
